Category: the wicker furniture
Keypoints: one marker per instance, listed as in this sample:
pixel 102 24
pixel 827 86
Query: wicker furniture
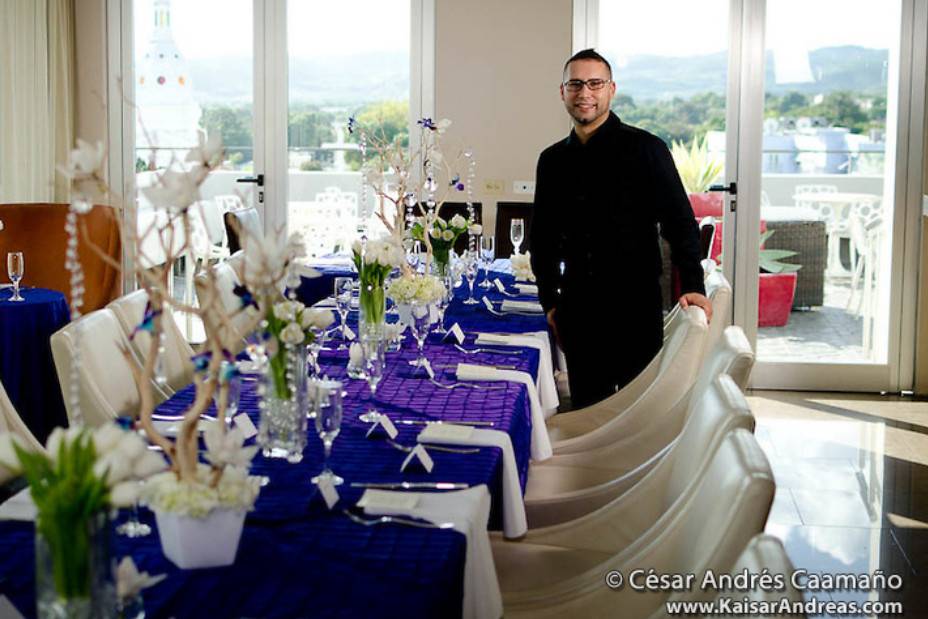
pixel 801 231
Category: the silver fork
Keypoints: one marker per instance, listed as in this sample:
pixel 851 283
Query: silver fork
pixel 470 385
pixel 512 313
pixel 450 450
pixel 367 522
pixel 472 351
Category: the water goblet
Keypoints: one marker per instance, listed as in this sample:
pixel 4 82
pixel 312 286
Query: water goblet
pixel 327 400
pixel 420 322
pixel 487 255
pixel 373 372
pixel 470 273
pixel 14 268
pixel 517 233
pixel 343 288
pixel 442 304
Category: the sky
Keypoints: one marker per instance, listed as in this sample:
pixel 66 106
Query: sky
pixel 317 27
pixel 630 28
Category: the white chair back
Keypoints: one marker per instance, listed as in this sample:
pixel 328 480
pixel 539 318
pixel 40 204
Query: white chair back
pixel 10 421
pixel 176 363
pixel 106 385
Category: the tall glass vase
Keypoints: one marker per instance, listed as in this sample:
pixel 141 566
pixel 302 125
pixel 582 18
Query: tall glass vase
pixel 373 309
pixel 282 426
pixel 441 260
pixel 75 568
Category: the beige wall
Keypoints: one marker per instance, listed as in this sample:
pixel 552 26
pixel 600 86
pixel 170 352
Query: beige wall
pixel 921 331
pixel 496 77
pixel 90 43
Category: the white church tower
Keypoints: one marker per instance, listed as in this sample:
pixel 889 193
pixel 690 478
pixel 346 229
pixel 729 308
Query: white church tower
pixel 167 115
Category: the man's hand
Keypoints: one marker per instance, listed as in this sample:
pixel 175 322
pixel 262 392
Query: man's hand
pixel 552 326
pixel 694 298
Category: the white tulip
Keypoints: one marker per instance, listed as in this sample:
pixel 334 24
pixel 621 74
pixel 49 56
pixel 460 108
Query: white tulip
pixel 284 311
pixel 448 235
pixel 356 246
pixel 355 355
pixel 318 318
pixel 458 222
pixel 292 334
pixel 475 229
pixel 435 233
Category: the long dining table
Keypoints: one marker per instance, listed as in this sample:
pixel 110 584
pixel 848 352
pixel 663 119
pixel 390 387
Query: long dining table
pixel 297 558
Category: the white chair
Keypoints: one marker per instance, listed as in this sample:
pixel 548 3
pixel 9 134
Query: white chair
pixel 718 290
pixel 177 368
pixel 605 422
pixel 765 552
pixel 226 306
pixel 11 422
pixel 687 524
pixel 568 486
pixel 106 385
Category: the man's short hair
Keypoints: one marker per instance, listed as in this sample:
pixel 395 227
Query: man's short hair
pixel 588 54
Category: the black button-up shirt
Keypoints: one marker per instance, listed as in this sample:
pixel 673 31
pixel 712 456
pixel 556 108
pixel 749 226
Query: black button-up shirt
pixel 598 209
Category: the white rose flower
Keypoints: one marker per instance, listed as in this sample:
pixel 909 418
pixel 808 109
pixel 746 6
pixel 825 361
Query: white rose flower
pixel 292 334
pixel 458 222
pixel 284 311
pixel 448 235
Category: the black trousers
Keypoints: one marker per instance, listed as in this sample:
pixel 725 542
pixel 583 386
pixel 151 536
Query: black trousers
pixel 608 342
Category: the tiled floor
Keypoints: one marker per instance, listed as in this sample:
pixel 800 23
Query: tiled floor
pixel 852 486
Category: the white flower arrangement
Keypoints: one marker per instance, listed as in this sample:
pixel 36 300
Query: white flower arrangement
pixel 380 252
pixel 522 267
pixel 413 288
pixel 197 498
pixel 289 324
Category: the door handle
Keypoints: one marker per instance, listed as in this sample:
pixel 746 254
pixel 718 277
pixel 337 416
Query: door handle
pixel 731 188
pixel 258 180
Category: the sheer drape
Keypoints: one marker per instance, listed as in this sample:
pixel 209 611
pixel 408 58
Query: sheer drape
pixel 36 98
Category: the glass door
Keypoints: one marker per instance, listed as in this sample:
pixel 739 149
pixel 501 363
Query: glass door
pixel 823 308
pixel 678 86
pixel 189 79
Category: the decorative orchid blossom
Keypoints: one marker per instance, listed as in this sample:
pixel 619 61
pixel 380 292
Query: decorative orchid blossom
pixel 176 190
pixel 227 447
pixel 85 161
pixel 130 581
pixel 209 150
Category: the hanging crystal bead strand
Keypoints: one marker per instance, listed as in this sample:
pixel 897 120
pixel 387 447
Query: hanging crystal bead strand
pixel 469 187
pixel 73 266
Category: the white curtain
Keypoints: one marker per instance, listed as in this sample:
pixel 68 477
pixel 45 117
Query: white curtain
pixel 36 98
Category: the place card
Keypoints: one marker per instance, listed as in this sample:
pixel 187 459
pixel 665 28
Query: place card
pixel 244 423
pixel 445 432
pixel 386 500
pixel 420 455
pixel 499 285
pixel 383 423
pixel 456 332
pixel 487 302
pixel 328 491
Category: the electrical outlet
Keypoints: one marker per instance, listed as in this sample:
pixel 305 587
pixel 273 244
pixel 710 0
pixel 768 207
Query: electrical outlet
pixel 523 187
pixel 493 186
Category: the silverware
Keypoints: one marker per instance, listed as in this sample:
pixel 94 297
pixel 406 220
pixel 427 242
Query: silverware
pixel 411 485
pixel 512 313
pixel 425 422
pixel 468 385
pixel 472 351
pixel 396 520
pixel 494 366
pixel 450 450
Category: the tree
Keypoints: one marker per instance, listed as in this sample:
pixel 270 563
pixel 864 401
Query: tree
pixel 387 119
pixel 309 127
pixel 233 124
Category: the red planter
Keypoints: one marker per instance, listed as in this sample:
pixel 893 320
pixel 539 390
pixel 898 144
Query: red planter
pixel 775 298
pixel 707 204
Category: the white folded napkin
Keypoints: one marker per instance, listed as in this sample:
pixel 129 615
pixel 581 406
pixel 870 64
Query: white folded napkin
pixel 171 428
pixel 514 521
pixel 19 507
pixel 541 443
pixel 527 289
pixel 469 510
pixel 547 388
pixel 510 305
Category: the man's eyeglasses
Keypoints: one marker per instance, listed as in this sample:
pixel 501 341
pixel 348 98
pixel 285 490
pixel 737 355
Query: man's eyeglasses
pixel 593 84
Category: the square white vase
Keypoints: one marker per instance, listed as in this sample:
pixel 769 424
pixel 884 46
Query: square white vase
pixel 192 543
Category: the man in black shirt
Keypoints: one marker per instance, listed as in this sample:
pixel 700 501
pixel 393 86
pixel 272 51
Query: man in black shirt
pixel 600 196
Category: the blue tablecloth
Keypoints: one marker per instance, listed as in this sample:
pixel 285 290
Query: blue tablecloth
pixel 26 367
pixel 298 559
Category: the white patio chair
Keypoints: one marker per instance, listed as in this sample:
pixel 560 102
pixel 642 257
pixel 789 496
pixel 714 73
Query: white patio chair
pixel 681 523
pixel 106 385
pixel 570 485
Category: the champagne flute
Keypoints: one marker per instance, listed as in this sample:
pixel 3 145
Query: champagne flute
pixel 15 267
pixel 327 397
pixel 442 304
pixel 470 273
pixel 488 254
pixel 517 233
pixel 343 288
pixel 373 364
pixel 421 319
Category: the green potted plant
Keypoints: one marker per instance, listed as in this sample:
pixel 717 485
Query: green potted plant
pixel 776 286
pixel 698 170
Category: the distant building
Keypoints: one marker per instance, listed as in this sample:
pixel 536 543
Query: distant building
pixel 167 115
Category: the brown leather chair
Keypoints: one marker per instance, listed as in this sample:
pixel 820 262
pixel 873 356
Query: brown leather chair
pixel 505 213
pixel 37 230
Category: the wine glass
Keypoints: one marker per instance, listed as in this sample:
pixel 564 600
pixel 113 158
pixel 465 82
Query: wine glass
pixel 420 320
pixel 373 365
pixel 487 254
pixel 517 233
pixel 343 288
pixel 442 304
pixel 313 349
pixel 327 400
pixel 470 273
pixel 15 267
